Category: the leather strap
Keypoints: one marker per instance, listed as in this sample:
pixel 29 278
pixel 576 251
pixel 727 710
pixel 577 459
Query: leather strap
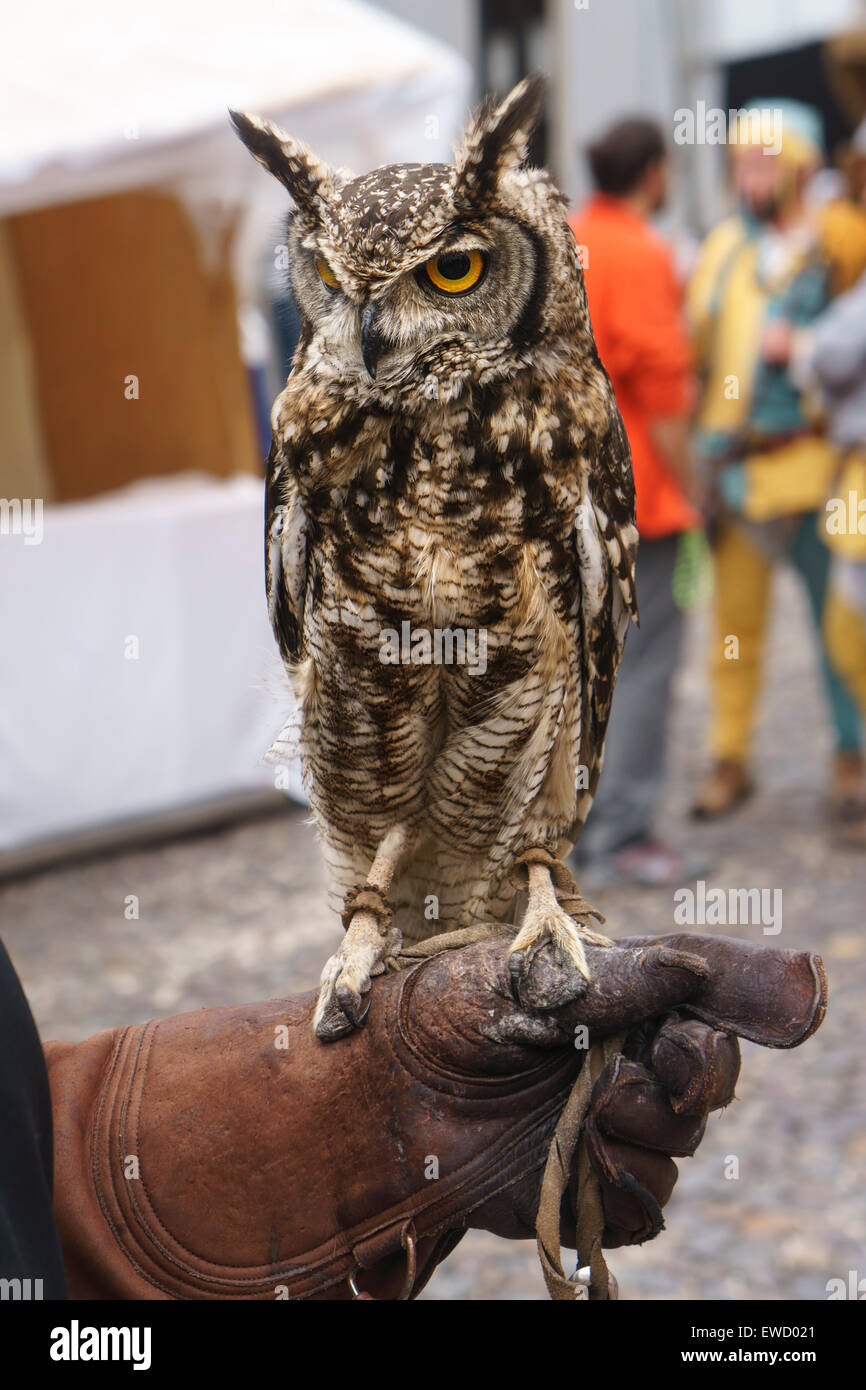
pixel 587 1197
pixel 567 892
pixel 367 897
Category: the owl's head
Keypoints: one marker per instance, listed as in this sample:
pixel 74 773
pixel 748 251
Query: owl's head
pixel 416 278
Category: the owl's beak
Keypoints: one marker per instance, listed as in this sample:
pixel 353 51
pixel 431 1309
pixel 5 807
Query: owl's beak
pixel 372 342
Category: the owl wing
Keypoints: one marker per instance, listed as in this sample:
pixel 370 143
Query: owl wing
pixel 606 540
pixel 286 557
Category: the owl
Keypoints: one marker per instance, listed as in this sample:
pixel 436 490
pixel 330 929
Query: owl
pixel 450 545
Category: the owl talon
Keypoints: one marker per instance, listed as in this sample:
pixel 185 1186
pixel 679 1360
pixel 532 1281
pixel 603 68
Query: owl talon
pixel 344 995
pixel 547 963
pixel 543 977
pixel 344 998
pixel 354 1002
pixel 331 1024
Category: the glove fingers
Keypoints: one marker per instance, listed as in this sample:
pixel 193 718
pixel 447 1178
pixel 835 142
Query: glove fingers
pixel 697 1065
pixel 627 986
pixel 631 1133
pixel 631 1105
pixel 770 996
pixel 635 1184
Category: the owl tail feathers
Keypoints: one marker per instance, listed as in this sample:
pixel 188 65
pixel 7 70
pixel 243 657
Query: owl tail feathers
pixel 287 744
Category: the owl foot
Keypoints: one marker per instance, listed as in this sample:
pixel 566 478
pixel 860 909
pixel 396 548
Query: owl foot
pixel 547 960
pixel 347 976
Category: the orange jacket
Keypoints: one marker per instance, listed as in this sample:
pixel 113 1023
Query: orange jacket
pixel 635 305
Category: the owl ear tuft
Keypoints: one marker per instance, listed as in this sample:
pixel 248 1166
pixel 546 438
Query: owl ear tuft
pixel 307 177
pixel 498 136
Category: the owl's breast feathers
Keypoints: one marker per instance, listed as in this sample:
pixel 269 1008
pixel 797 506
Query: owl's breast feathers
pixel 509 513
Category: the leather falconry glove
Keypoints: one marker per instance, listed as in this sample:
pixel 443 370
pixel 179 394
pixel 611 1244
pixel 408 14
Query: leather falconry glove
pixel 227 1154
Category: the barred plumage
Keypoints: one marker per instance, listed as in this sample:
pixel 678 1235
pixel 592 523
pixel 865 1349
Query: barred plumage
pixel 452 464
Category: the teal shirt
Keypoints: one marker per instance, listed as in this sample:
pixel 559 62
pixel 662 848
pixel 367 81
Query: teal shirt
pixel 776 407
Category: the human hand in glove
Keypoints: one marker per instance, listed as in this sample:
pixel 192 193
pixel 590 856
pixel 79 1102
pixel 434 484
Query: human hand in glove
pixel 322 1171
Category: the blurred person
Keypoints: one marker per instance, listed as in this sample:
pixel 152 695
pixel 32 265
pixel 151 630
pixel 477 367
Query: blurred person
pixel 843 221
pixel 832 355
pixel 635 304
pixel 764 274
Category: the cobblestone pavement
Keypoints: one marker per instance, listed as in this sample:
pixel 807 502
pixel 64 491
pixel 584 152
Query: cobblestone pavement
pixel 240 914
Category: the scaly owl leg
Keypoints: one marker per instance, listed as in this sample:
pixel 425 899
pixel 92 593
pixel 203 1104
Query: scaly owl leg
pixel 546 921
pixel 370 939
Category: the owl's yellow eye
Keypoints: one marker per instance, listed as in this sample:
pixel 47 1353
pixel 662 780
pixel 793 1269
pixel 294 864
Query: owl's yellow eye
pixel 326 274
pixel 455 272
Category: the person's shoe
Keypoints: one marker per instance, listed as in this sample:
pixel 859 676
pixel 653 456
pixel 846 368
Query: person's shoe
pixel 725 788
pixel 645 863
pixel 848 799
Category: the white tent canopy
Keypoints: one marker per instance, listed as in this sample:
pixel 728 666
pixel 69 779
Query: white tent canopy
pixel 101 98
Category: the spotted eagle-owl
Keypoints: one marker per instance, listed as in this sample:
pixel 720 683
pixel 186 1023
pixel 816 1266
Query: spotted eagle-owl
pixel 450 542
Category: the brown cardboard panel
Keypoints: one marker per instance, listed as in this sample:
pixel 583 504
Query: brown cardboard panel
pixel 114 288
pixel 23 469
